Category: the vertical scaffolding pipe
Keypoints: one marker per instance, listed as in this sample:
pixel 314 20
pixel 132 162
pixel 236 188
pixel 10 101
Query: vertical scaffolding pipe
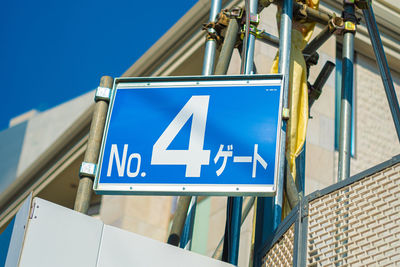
pixel 180 216
pixel 208 69
pixel 284 68
pixel 248 49
pixel 211 44
pixel 247 68
pixel 84 194
pixel 346 100
pixel 383 66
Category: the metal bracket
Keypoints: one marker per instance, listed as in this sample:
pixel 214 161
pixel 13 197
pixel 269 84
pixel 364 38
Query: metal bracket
pixel 349 26
pixel 234 13
pixel 87 169
pixel 102 93
pixel 285 113
pixel 214 30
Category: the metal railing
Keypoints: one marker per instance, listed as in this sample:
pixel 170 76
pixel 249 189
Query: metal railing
pixel 355 222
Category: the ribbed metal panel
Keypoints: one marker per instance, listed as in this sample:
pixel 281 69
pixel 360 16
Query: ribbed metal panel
pixel 281 254
pixel 358 224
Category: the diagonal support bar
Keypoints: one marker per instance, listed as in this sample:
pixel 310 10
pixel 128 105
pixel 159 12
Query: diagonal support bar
pixel 383 67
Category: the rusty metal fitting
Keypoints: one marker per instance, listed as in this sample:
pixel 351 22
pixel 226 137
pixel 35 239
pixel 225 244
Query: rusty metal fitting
pixel 363 4
pixel 234 13
pixel 336 25
pixel 215 30
pixel 301 13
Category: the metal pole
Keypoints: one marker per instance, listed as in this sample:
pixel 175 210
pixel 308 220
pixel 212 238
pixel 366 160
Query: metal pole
pixel 187 232
pixel 269 39
pixel 236 202
pixel 227 47
pixel 179 220
pixel 184 201
pixel 284 69
pixel 248 49
pixel 322 37
pixel 84 194
pixel 347 98
pixel 211 44
pixel 383 66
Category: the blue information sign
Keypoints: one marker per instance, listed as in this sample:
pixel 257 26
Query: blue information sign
pixel 210 136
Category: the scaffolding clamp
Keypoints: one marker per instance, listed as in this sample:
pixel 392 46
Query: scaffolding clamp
pixel 349 26
pixel 214 29
pixel 234 13
pixel 102 93
pixel 300 14
pixel 87 169
pixel 254 21
pixel 336 25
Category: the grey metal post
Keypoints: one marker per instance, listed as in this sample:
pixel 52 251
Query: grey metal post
pixel 227 47
pixel 84 194
pixel 249 41
pixel 179 220
pixel 346 100
pixel 211 44
pixel 383 66
pixel 269 39
pixel 284 68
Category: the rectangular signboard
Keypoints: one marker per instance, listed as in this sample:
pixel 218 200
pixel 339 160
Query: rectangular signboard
pixel 192 135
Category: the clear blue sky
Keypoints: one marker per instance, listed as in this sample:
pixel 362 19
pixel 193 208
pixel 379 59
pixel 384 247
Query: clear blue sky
pixel 52 51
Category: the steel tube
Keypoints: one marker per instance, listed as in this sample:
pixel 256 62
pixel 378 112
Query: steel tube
pixel 310 13
pixel 84 193
pixel 284 69
pixel 269 39
pixel 236 219
pixel 383 67
pixel 249 66
pixel 209 55
pixel 346 103
pixel 227 47
pixel 249 50
pixel 317 42
pixel 208 68
pixel 320 82
pixel 313 14
pixel 211 44
pixel 218 252
pixel 235 203
pixel 179 220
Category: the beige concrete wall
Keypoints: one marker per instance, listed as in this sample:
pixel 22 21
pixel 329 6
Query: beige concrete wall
pixel 145 215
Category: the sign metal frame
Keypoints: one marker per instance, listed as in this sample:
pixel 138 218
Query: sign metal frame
pixel 190 189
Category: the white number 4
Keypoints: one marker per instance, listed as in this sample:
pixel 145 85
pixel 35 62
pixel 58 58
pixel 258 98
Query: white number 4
pixel 195 156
